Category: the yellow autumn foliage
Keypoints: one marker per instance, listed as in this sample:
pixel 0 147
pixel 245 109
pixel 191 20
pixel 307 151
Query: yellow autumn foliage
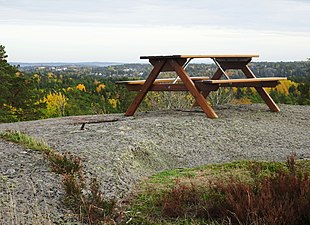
pixel 37 77
pixel 283 87
pixel 100 87
pixel 81 87
pixel 69 89
pixel 113 102
pixel 50 75
pixel 55 104
pixel 12 109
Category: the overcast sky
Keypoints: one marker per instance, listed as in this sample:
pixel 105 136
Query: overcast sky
pixel 121 31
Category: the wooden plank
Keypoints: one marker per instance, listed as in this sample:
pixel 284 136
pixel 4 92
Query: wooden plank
pixel 247 80
pixel 233 63
pixel 143 81
pixel 164 80
pixel 201 86
pixel 148 83
pixel 172 87
pixel 200 56
pixel 250 84
pixel 192 89
pixel 159 87
pixel 167 67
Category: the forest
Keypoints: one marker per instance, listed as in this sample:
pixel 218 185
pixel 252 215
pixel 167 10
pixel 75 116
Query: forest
pixel 45 91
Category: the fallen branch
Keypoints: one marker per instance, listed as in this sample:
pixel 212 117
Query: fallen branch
pixel 105 120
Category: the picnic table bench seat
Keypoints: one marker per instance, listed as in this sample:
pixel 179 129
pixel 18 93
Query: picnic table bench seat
pixel 246 80
pixel 166 84
pixel 163 80
pixel 203 83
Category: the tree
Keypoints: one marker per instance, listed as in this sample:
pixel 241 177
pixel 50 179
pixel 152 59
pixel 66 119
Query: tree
pixel 304 89
pixel 55 104
pixel 17 94
pixel 7 72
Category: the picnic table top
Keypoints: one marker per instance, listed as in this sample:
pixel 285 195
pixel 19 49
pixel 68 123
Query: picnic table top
pixel 198 56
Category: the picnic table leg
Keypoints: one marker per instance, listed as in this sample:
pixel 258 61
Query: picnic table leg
pixel 145 88
pixel 261 91
pixel 217 75
pixel 192 89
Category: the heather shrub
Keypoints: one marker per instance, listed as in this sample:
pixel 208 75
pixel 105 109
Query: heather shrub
pixel 184 199
pixel 65 163
pixel 276 197
pixel 283 198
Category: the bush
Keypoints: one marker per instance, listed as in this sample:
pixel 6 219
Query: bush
pixel 279 198
pixel 184 199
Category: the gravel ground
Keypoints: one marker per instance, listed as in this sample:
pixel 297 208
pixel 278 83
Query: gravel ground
pixel 29 192
pixel 122 152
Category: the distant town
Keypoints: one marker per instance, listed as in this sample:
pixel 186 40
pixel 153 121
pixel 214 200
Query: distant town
pixel 119 70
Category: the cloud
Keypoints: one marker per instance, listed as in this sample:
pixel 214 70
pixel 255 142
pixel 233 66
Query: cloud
pixel 126 44
pixel 284 15
pixel 117 30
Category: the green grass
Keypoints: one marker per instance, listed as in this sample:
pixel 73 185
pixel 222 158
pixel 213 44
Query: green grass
pixel 61 164
pixel 26 141
pixel 240 169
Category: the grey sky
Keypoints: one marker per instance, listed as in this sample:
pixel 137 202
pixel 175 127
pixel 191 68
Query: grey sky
pixel 115 30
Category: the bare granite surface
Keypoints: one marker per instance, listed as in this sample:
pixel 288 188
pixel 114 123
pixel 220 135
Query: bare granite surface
pixel 123 152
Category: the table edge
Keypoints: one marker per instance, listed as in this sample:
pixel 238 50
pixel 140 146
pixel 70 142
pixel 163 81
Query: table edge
pixel 199 56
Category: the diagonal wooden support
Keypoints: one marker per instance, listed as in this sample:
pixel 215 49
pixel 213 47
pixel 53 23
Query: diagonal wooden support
pixel 192 89
pixel 261 91
pixel 145 88
pixel 217 75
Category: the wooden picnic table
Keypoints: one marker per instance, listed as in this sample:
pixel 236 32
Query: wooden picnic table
pixel 199 87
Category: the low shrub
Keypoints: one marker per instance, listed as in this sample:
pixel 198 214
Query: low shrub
pixel 184 199
pixel 281 197
pixel 90 203
pixel 64 163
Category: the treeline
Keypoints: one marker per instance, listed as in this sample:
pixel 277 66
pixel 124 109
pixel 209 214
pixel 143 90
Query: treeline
pixel 298 70
pixel 27 96
pixel 53 92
